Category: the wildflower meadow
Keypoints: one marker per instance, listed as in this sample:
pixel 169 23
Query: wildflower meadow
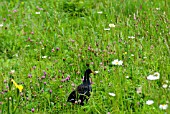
pixel 47 45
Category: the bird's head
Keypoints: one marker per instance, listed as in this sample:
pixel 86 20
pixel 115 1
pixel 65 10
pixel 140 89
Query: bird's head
pixel 88 71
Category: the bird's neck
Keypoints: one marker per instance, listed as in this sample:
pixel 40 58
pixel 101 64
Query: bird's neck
pixel 86 79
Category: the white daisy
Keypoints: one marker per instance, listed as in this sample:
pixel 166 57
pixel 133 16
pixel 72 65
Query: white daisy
pixel 15 55
pixel 37 12
pixel 149 102
pixel 96 72
pixel 144 57
pixel 152 77
pixel 111 25
pixel 12 71
pixel 44 57
pixel 132 55
pixel 165 85
pixel 163 106
pixel 117 62
pixel 166 81
pixel 1 25
pixel 155 76
pixel 139 90
pixel 157 8
pixel 112 94
pixel 120 62
pixel 127 77
pixel 131 37
pixel 107 29
pixel 99 12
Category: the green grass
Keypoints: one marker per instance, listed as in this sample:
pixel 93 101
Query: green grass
pixel 70 33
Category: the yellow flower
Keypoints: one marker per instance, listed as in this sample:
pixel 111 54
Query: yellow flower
pixel 125 53
pixel 20 87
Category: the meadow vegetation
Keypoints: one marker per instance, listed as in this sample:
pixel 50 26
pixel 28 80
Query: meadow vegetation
pixel 46 45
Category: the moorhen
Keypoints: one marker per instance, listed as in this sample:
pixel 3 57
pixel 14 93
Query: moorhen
pixel 83 91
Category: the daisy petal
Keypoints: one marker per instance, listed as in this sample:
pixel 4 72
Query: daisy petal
pixel 112 94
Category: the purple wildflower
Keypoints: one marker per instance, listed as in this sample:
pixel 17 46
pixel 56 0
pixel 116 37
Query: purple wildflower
pixel 53 50
pixel 34 67
pixel 4 19
pixel 32 109
pixel 73 84
pixel 5 81
pixel 14 11
pixel 29 75
pixel 57 48
pixel 63 80
pixel 42 77
pixel 68 77
pixel 89 48
pixel 45 73
pixel 32 32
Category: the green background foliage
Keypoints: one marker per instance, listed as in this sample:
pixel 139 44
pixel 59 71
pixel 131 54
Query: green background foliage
pixel 70 33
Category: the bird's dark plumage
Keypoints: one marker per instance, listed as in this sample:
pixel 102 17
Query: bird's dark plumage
pixel 83 91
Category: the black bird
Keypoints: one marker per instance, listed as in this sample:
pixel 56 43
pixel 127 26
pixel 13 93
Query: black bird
pixel 83 91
